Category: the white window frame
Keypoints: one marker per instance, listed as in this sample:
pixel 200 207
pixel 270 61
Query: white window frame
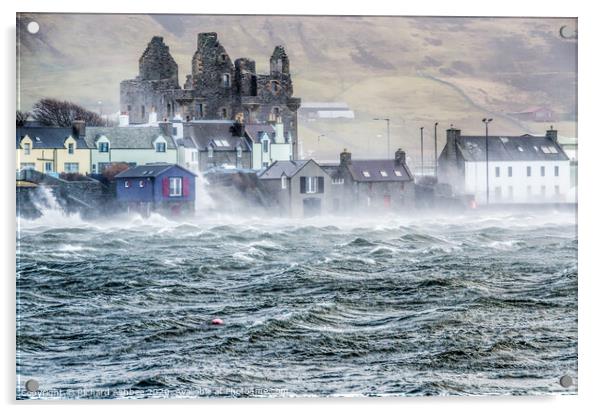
pixel 27 148
pixel 311 185
pixel 175 186
pixel 283 180
pixel 71 148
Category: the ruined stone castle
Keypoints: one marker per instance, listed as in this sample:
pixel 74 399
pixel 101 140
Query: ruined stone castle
pixel 215 89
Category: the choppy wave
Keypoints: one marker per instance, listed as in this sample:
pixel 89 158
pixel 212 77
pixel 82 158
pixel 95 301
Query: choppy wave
pixel 469 304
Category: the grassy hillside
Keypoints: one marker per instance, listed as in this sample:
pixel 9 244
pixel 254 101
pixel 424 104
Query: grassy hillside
pixel 413 70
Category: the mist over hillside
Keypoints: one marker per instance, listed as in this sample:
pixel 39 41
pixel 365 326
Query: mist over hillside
pixel 414 70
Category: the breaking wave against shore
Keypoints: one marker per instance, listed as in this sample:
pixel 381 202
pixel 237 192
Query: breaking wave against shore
pixel 466 304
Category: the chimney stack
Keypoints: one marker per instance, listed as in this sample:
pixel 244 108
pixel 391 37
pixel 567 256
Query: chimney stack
pixel 552 134
pixel 400 157
pixel 452 137
pixel 79 128
pixel 345 157
pixel 166 128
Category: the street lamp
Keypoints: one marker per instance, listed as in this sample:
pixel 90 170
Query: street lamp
pixel 436 160
pixel 422 150
pixel 388 134
pixel 486 122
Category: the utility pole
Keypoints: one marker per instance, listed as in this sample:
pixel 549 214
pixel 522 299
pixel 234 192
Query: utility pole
pixel 436 160
pixel 486 122
pixel 422 150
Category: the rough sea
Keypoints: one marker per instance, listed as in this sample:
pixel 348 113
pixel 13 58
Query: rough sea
pixel 470 304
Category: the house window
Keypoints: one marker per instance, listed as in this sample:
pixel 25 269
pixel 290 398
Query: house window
pixel 497 171
pixel 160 146
pixel 338 181
pixel 141 184
pixel 27 148
pixel 175 186
pixel 70 148
pixel 72 167
pixel 265 164
pixel 126 184
pixel 28 165
pixel 366 174
pixel 283 182
pixel 384 174
pixel 528 171
pixel 226 80
pixel 194 156
pixel 47 167
pixel 239 151
pixel 103 147
pixel 509 172
pixel 311 184
pixel 397 173
pixel 556 170
pixel 210 152
pixel 543 171
pixel 266 145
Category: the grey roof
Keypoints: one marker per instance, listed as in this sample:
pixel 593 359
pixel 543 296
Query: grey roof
pixel 256 130
pixel 392 170
pixel 186 142
pixel 149 170
pixel 207 134
pixel 510 148
pixel 279 168
pixel 48 137
pixel 127 137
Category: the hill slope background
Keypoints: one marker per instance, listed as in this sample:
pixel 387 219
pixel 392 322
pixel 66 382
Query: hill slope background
pixel 415 70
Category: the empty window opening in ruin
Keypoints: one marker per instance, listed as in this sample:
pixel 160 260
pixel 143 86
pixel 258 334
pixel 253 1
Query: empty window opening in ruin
pixel 143 111
pixel 226 80
pixel 223 58
pixel 200 110
pixel 224 113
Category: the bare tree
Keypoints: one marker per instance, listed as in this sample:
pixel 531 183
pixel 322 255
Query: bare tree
pixel 54 112
pixel 21 118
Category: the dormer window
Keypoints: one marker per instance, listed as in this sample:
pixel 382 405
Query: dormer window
pixel 103 147
pixel 397 173
pixel 239 151
pixel 366 174
pixel 210 152
pixel 71 149
pixel 226 80
pixel 27 148
pixel 384 174
pixel 283 182
pixel 160 147
pixel 265 145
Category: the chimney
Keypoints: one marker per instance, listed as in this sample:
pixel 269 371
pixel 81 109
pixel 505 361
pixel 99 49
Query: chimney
pixel 345 157
pixel 552 134
pixel 452 137
pixel 79 128
pixel 279 127
pixel 400 157
pixel 166 128
pixel 124 119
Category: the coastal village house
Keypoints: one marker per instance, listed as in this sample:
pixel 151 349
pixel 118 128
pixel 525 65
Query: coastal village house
pixel 53 150
pixel 269 143
pixel 162 188
pixel 522 169
pixel 368 185
pixel 134 145
pixel 298 188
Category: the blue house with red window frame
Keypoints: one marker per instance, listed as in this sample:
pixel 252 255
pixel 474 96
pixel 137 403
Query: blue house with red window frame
pixel 160 187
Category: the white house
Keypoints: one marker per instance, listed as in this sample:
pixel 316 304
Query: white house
pixel 522 169
pixel 269 144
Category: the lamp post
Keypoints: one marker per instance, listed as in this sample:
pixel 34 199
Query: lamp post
pixel 486 122
pixel 436 160
pixel 422 150
pixel 388 120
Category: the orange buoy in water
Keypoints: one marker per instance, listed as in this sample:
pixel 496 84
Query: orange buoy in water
pixel 217 321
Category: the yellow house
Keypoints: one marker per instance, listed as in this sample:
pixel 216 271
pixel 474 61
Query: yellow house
pixel 51 149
